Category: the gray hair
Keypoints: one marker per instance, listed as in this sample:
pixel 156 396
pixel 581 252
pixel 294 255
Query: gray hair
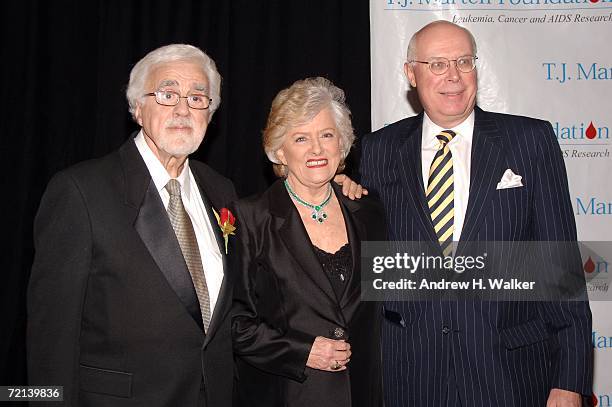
pixel 299 104
pixel 173 53
pixel 411 54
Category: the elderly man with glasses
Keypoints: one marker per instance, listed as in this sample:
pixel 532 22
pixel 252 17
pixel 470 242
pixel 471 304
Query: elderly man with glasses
pixel 129 293
pixel 458 174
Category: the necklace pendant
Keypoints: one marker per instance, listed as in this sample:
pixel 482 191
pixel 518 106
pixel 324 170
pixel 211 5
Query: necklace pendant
pixel 318 213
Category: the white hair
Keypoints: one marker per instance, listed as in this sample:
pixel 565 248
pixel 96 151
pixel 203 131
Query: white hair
pixel 173 53
pixel 299 104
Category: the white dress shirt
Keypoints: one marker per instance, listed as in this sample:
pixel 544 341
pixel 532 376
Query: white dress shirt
pixel 212 261
pixel 461 149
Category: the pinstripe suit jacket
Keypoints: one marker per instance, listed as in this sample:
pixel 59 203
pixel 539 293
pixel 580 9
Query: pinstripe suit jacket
pixel 502 353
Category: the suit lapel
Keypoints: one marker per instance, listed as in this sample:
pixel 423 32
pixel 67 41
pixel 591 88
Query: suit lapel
pixel 213 202
pixel 411 169
pixel 356 232
pixel 154 228
pixel 486 169
pixel 293 234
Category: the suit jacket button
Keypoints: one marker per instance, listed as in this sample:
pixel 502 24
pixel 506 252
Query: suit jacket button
pixel 445 330
pixel 338 333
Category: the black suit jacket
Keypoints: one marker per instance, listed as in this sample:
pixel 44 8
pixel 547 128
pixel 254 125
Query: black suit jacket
pixel 112 313
pixel 284 300
pixel 502 353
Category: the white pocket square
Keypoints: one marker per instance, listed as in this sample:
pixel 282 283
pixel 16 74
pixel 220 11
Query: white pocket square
pixel 510 180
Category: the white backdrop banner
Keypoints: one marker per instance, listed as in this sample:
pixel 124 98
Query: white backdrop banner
pixel 549 59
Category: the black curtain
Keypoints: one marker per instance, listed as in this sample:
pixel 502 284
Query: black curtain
pixel 65 66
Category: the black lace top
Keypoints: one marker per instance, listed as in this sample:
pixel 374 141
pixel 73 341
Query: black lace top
pixel 337 266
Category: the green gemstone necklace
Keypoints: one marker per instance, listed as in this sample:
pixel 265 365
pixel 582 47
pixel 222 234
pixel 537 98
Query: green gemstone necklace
pixel 318 213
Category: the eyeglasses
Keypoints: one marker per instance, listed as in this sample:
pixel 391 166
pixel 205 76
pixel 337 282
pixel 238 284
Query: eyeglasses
pixel 172 98
pixel 439 66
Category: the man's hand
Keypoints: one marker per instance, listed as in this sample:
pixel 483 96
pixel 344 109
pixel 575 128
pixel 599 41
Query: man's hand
pixel 563 398
pixel 349 187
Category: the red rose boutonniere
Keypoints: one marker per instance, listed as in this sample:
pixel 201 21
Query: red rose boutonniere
pixel 226 221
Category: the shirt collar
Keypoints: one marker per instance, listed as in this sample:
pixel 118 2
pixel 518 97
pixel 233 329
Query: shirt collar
pixel 464 129
pixel 158 173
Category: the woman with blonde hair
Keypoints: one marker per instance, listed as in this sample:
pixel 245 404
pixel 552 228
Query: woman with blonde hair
pixel 302 336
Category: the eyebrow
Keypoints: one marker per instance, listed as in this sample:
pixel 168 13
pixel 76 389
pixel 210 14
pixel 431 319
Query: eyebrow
pixel 334 129
pixel 168 82
pixel 171 82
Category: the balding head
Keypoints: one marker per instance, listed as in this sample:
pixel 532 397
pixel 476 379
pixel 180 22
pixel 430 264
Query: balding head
pixel 446 90
pixel 413 44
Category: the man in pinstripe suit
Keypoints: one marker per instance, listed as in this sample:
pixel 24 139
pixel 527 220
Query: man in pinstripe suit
pixel 469 353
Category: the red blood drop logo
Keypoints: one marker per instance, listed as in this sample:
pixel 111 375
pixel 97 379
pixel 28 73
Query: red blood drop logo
pixel 591 131
pixel 594 400
pixel 593 1
pixel 589 266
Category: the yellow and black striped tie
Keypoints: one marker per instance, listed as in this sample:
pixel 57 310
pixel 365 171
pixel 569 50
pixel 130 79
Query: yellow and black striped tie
pixel 441 192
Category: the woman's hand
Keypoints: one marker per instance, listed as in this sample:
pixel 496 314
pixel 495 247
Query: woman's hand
pixel 329 354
